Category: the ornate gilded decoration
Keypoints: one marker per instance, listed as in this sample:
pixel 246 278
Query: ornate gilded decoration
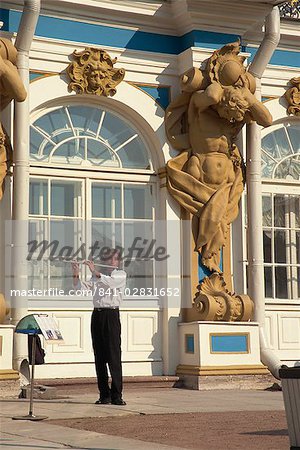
pixel 215 302
pixel 11 88
pixel 92 72
pixel 290 10
pixel 293 97
pixel 206 178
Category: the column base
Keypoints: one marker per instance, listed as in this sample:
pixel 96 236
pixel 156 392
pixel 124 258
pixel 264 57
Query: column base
pixel 221 355
pixel 211 382
pixel 9 383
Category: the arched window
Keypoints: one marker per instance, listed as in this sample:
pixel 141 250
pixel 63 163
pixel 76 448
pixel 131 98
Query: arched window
pixel 92 182
pixel 281 210
pixel 281 153
pixel 87 136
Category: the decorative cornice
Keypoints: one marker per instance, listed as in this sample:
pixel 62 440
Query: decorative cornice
pixel 174 18
pixel 128 13
pixel 236 16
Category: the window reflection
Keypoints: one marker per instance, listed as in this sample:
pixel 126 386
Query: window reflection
pixel 281 282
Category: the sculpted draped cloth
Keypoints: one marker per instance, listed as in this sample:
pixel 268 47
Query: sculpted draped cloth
pixel 213 209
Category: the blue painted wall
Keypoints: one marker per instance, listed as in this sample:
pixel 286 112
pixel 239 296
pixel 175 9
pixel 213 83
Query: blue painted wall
pixel 280 57
pixel 229 343
pixel 189 343
pixel 160 94
pixel 204 271
pixel 34 75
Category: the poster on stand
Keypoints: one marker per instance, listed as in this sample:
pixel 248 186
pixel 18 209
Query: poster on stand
pixel 49 328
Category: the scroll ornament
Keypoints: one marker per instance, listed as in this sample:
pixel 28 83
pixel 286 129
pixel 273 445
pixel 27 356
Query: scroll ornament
pixel 292 96
pixel 92 72
pixel 214 302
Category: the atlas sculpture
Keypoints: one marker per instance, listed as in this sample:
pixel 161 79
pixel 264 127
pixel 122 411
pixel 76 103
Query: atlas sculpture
pixel 207 177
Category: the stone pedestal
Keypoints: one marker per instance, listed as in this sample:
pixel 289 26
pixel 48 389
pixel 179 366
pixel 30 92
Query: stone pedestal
pixel 218 349
pixel 9 378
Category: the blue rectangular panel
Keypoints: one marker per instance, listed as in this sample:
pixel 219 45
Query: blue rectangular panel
pixel 229 343
pixel 189 343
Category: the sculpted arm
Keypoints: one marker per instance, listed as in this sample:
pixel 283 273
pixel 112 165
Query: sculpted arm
pixel 257 111
pixel 212 95
pixel 11 84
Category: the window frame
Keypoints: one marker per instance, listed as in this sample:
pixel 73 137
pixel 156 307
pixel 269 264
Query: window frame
pixel 282 189
pixel 268 131
pixel 71 101
pixel 86 180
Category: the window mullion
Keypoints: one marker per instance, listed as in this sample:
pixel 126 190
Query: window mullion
pixel 293 246
pixel 288 244
pixel 273 250
pixel 100 125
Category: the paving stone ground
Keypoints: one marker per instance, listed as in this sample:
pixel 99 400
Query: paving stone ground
pixel 202 431
pixel 153 419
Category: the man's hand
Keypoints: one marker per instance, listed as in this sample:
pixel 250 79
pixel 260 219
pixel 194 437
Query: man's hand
pixel 90 265
pixel 75 269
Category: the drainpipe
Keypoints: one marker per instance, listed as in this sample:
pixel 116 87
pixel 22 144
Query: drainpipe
pixel 20 207
pixel 254 195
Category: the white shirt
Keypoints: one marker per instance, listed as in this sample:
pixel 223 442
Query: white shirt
pixel 107 291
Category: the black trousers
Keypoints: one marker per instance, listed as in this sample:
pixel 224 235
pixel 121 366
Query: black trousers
pixel 106 339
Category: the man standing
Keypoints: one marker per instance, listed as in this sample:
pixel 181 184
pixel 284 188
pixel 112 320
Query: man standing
pixel 107 287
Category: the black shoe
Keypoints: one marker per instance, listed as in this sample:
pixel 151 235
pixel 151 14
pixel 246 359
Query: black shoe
pixel 103 401
pixel 118 401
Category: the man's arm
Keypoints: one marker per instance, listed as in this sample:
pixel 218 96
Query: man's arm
pixel 75 271
pixel 117 280
pixel 77 283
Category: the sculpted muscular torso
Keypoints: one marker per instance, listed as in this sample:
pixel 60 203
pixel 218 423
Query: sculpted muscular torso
pixel 215 117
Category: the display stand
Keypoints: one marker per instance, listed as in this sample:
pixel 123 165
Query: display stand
pixel 33 325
